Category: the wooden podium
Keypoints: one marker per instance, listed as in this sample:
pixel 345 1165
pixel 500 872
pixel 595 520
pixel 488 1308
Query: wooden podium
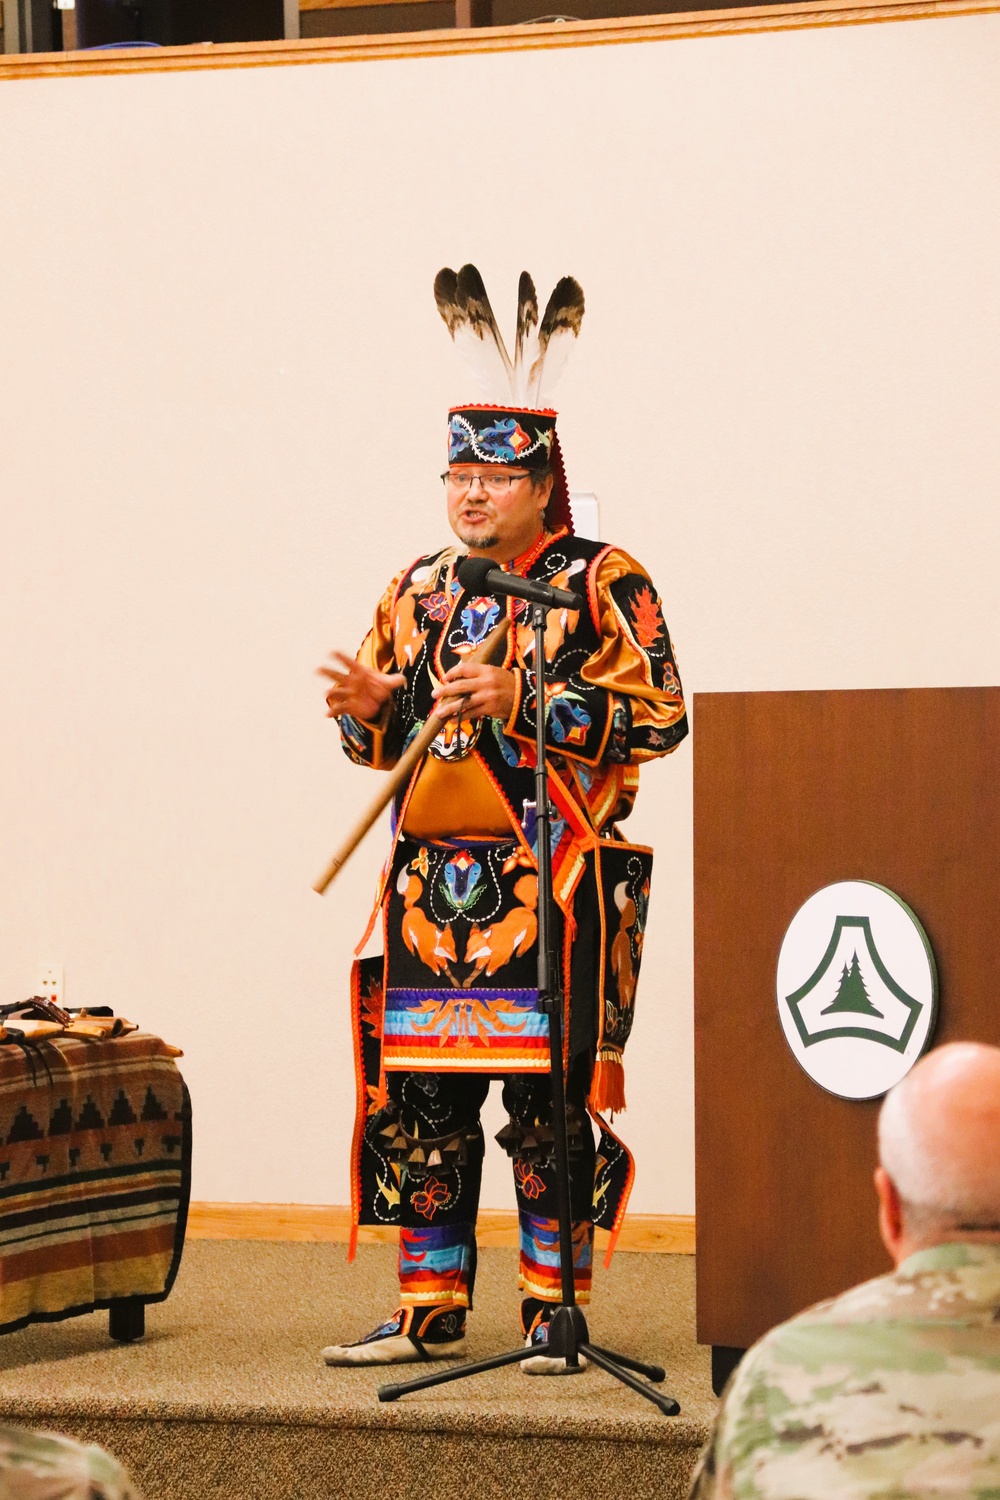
pixel 793 791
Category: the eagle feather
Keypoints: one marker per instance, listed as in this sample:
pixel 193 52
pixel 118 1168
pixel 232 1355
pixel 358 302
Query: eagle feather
pixel 557 334
pixel 540 349
pixel 526 339
pixel 465 308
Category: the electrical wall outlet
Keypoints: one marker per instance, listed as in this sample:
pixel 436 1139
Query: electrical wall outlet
pixel 51 983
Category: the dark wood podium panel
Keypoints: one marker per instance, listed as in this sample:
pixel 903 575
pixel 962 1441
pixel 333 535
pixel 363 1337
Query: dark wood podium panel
pixel 792 792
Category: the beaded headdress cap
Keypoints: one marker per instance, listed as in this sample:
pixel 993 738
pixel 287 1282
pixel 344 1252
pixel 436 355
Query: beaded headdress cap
pixel 513 425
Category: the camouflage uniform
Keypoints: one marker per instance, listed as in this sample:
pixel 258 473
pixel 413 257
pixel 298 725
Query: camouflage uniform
pixel 891 1390
pixel 41 1466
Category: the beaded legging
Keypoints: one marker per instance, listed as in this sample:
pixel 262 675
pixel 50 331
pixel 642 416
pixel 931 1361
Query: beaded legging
pixel 438 1148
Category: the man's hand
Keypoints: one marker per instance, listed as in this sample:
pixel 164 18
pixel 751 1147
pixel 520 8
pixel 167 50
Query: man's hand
pixel 357 690
pixel 476 692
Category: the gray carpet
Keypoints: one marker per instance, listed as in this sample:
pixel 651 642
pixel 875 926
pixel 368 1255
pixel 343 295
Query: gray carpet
pixel 226 1397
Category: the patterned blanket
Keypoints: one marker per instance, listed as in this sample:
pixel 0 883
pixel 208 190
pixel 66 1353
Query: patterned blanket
pixel 95 1175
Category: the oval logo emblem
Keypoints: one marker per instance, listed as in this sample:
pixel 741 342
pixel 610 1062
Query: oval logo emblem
pixel 857 988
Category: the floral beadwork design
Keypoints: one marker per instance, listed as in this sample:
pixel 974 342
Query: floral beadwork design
pixel 528 1180
pixel 647 621
pixel 462 881
pixel 432 1196
pixel 478 618
pixel 503 441
pixel 437 606
pixel 568 717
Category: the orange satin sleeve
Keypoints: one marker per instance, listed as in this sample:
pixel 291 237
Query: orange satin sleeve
pixel 377 651
pixel 618 664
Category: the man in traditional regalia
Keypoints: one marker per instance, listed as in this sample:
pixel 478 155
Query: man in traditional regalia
pixel 453 1003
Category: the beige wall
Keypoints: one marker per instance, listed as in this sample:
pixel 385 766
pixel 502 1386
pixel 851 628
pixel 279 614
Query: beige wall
pixel 222 391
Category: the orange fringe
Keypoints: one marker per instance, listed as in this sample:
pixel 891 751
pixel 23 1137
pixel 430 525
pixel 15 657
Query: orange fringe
pixel 607 1089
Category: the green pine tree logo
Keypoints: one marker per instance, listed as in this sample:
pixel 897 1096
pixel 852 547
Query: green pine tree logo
pixel 852 996
pixel 889 1020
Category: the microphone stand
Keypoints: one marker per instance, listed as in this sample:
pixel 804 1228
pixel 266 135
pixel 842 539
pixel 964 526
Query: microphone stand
pixel 568 1334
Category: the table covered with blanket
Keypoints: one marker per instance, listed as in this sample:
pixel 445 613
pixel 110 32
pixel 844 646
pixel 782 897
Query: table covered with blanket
pixel 95 1176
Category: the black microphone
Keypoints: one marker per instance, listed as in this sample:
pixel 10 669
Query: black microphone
pixel 479 576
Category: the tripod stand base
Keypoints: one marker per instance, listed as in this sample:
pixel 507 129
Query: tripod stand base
pixel 568 1339
pixel 567 1333
pixel 567 1330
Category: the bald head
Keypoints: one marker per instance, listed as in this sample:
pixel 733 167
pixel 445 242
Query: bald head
pixel 939 1143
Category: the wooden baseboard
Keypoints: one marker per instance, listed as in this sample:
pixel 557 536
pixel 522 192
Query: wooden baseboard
pixel 662 1234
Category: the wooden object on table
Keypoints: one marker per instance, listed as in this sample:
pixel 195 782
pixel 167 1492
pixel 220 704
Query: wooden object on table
pixel 794 791
pixel 401 772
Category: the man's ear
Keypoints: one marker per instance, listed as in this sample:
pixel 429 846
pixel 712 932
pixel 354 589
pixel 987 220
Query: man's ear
pixel 890 1215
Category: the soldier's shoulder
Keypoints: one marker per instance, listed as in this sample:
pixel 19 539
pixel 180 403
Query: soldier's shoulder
pixel 888 1324
pixel 858 1394
pixel 33 1462
pixel 949 1283
pixel 805 1339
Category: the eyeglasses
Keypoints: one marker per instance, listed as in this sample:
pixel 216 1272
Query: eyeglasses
pixel 493 484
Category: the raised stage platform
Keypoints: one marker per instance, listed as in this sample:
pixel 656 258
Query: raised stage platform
pixel 226 1397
